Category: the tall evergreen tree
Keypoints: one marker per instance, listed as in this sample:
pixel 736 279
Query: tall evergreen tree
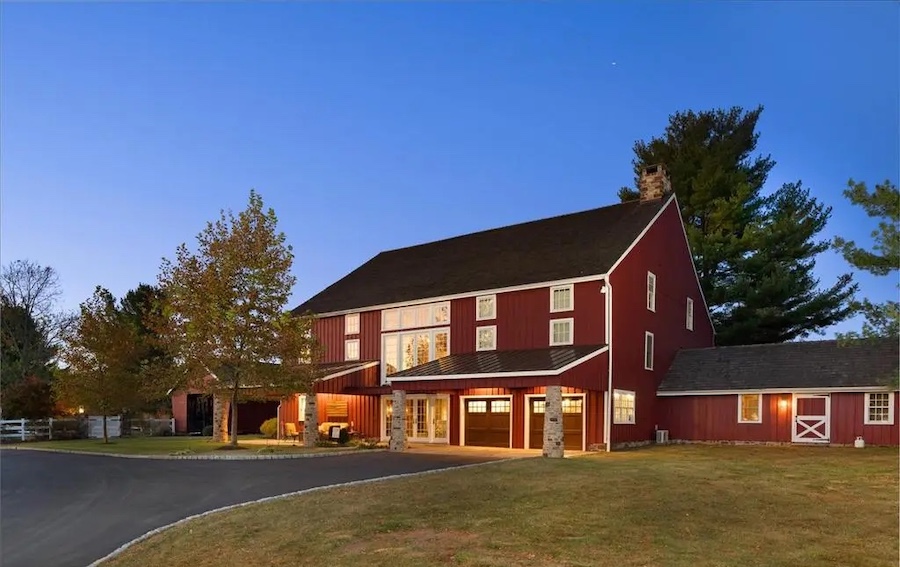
pixel 754 253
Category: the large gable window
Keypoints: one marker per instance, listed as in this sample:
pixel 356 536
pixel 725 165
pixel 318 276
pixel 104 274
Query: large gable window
pixel 561 298
pixel 879 408
pixel 750 408
pixel 623 406
pixel 415 317
pixel 402 351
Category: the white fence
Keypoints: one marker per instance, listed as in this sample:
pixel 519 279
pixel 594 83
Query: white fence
pixel 35 429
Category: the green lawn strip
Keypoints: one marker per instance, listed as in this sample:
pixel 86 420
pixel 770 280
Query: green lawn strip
pixel 168 446
pixel 672 506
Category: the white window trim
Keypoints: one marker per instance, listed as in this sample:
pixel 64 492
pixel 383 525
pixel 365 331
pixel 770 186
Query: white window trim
pixel 890 419
pixel 689 315
pixel 651 297
pixel 493 346
pixel 571 289
pixel 493 299
pixel 652 351
pixel 741 407
pixel 634 416
pixel 301 408
pixel 571 322
pixel 347 343
pixel 350 317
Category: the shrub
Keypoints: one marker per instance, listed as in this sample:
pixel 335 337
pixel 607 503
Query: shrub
pixel 269 428
pixel 207 431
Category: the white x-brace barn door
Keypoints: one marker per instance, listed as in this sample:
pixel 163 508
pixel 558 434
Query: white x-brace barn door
pixel 812 418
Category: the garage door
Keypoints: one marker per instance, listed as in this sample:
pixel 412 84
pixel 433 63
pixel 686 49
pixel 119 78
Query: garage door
pixel 487 422
pixel 573 421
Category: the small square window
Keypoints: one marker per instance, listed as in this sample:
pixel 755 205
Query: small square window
pixel 879 408
pixel 561 332
pixel 390 320
pixel 486 338
pixel 538 406
pixel 500 406
pixel 571 405
pixel 561 298
pixel 351 324
pixel 648 351
pixel 750 408
pixel 486 307
pixel 351 349
pixel 651 291
pixel 623 407
pixel 476 406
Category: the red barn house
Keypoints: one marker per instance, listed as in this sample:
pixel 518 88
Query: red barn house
pixel 579 332
pixel 477 337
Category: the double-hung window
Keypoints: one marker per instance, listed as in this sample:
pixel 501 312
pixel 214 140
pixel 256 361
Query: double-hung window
pixel 561 332
pixel 561 298
pixel 486 338
pixel 749 408
pixel 623 406
pixel 651 291
pixel 485 307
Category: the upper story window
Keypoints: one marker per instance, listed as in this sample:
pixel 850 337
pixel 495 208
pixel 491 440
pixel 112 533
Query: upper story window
pixel 561 332
pixel 648 351
pixel 416 316
pixel 879 408
pixel 351 349
pixel 689 315
pixel 351 324
pixel 401 351
pixel 485 307
pixel 651 291
pixel 486 338
pixel 561 298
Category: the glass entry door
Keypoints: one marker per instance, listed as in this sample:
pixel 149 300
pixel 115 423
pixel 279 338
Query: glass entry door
pixel 427 418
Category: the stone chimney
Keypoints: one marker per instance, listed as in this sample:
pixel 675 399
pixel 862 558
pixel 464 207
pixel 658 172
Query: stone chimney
pixel 654 182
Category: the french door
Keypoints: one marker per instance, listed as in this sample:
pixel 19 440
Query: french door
pixel 427 418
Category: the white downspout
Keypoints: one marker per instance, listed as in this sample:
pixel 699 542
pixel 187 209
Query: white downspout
pixel 607 427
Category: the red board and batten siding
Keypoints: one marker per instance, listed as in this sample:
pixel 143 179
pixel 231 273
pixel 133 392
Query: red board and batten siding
pixel 363 412
pixel 664 251
pixel 330 333
pixel 715 418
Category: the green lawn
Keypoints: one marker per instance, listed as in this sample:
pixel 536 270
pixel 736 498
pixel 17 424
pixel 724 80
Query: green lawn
pixel 167 446
pixel 686 506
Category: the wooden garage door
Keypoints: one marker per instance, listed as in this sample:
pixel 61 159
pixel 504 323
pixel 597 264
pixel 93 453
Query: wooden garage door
pixel 572 423
pixel 487 422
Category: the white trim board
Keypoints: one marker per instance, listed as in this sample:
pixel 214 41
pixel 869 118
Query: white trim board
pixel 462 295
pixel 526 374
pixel 859 389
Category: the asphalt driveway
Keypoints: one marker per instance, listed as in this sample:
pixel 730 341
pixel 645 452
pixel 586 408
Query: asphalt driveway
pixel 59 510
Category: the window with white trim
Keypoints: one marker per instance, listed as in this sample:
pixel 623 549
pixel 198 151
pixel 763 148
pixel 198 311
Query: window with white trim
pixel 301 407
pixel 416 316
pixel 485 307
pixel 351 324
pixel 651 291
pixel 486 338
pixel 351 349
pixel 648 351
pixel 879 408
pixel 689 315
pixel 561 332
pixel 561 298
pixel 623 406
pixel 401 351
pixel 749 408
pixel 476 406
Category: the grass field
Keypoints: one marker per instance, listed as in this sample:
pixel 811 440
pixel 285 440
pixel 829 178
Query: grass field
pixel 167 446
pixel 684 506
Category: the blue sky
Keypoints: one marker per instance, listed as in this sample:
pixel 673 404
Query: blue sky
pixel 124 127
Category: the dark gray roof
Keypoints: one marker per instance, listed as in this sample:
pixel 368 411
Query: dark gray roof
pixel 567 246
pixel 812 364
pixel 330 368
pixel 488 362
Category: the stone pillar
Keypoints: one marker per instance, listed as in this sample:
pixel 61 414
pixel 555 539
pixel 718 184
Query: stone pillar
pixel 398 421
pixel 311 421
pixel 553 423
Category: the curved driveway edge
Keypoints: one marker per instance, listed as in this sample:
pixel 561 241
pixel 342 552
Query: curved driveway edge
pixel 204 456
pixel 183 521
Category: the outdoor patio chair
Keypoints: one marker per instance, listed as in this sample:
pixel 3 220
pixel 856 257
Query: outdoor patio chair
pixel 290 431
